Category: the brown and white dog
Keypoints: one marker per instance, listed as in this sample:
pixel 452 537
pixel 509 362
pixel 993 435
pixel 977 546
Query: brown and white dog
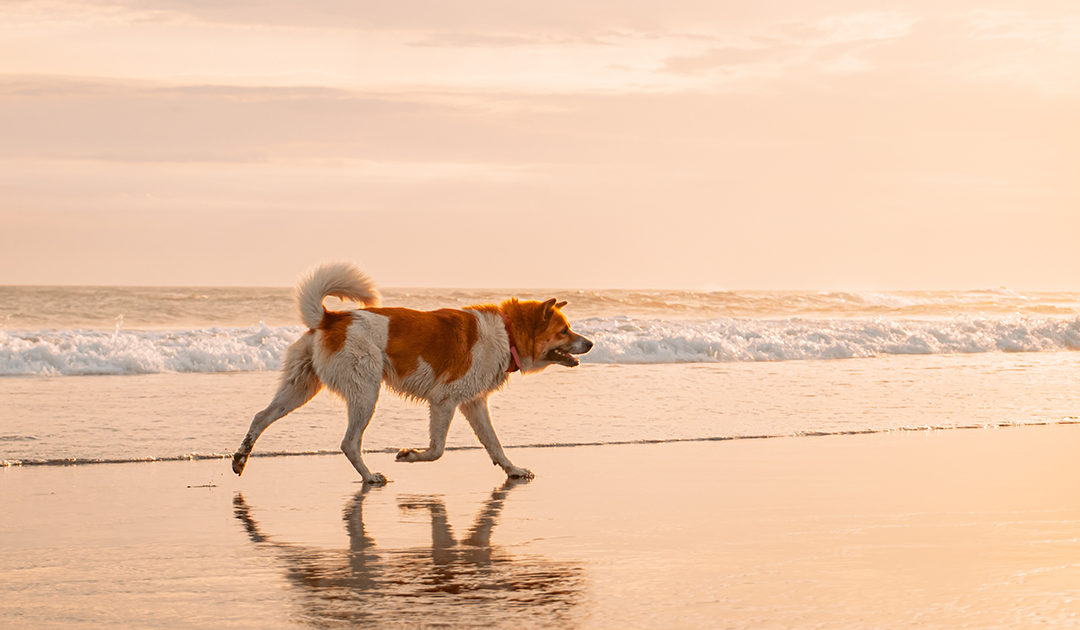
pixel 450 358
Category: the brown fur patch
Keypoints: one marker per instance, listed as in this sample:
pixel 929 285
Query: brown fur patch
pixel 443 339
pixel 334 326
pixel 534 331
pixel 551 335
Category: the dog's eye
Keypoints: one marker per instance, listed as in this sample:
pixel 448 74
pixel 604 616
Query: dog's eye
pixel 566 331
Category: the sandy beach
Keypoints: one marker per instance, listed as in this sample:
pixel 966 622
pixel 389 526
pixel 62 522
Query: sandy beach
pixel 958 528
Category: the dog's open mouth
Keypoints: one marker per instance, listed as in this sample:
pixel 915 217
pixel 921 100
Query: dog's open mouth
pixel 562 357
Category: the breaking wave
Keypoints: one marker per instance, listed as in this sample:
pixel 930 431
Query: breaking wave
pixel 617 340
pixel 84 352
pixel 626 340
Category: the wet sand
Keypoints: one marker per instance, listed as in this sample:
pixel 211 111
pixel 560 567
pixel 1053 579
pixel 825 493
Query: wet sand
pixel 937 529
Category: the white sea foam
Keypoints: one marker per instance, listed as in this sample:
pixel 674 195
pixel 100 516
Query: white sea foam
pixel 617 340
pixel 81 352
pixel 626 340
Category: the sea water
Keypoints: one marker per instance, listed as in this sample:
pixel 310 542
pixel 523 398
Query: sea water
pixel 107 374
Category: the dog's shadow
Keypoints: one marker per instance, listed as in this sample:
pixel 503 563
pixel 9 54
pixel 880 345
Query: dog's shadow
pixel 451 582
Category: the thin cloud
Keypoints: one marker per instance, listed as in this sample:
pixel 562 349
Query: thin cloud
pixel 832 43
pixel 723 57
pixel 445 39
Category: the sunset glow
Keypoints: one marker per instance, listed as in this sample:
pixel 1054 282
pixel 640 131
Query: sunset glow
pixel 919 145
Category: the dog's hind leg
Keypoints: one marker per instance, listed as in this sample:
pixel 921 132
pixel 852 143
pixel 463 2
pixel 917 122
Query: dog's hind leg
pixel 441 415
pixel 476 412
pixel 299 384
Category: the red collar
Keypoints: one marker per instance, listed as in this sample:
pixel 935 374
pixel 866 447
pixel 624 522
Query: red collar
pixel 515 360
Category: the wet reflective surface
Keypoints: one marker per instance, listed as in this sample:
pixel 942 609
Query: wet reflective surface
pixel 457 579
pixel 939 529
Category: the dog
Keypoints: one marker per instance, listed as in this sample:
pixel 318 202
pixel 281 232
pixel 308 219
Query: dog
pixel 450 358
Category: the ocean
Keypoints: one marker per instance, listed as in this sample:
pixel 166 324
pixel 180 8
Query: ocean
pixel 121 374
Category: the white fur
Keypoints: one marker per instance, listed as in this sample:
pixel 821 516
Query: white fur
pixel 343 280
pixel 356 370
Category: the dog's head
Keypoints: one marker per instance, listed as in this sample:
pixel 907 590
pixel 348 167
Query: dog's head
pixel 542 334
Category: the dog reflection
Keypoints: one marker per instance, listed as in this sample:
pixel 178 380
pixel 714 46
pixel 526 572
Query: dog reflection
pixel 453 582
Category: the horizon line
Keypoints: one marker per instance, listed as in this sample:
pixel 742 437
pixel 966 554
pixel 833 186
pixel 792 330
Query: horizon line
pixel 1001 287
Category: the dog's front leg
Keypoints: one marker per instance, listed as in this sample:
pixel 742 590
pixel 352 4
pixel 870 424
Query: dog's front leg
pixel 476 412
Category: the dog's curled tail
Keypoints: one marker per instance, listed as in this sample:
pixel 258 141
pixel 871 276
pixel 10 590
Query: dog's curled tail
pixel 343 280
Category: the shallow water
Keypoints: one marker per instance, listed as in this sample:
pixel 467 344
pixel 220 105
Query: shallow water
pixel 183 415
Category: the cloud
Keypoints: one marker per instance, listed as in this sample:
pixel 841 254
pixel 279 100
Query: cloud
pixel 1050 30
pixel 795 167
pixel 564 17
pixel 832 44
pixel 725 57
pixel 444 39
pixel 147 121
pixel 1021 49
pixel 642 47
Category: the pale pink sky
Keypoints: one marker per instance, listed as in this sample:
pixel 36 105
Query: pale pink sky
pixel 570 144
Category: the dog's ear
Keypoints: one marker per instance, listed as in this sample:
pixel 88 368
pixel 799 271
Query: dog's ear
pixel 549 309
pixel 560 305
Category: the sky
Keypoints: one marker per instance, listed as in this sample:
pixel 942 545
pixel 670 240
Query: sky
pixel 707 145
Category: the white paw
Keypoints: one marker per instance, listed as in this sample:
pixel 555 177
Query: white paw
pixel 519 473
pixel 407 455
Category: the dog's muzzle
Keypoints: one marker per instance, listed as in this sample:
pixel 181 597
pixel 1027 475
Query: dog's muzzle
pixel 581 345
pixel 564 355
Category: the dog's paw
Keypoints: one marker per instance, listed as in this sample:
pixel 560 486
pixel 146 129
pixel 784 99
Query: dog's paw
pixel 407 455
pixel 376 479
pixel 519 473
pixel 238 462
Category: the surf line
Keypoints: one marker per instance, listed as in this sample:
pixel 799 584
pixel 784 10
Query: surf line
pixel 86 461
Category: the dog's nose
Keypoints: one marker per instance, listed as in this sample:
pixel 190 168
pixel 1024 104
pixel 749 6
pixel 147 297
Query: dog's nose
pixel 588 346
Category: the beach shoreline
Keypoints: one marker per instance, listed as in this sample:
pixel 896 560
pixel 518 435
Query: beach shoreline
pixel 926 529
